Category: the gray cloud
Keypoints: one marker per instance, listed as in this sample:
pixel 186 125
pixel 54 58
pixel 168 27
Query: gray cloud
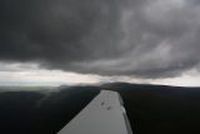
pixel 149 39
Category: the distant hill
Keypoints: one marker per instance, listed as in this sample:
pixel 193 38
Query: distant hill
pixel 151 109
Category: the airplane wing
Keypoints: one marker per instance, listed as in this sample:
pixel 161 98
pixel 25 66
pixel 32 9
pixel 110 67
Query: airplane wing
pixel 105 114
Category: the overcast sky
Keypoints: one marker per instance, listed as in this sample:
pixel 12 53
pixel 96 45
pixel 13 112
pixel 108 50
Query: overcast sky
pixel 55 42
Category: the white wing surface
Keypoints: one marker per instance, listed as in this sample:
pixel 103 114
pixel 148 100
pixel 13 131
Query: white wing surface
pixel 105 114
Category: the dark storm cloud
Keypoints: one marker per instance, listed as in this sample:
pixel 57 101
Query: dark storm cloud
pixel 108 37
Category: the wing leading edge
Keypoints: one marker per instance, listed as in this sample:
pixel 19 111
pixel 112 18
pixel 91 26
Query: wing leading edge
pixel 105 114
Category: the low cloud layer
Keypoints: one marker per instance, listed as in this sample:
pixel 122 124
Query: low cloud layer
pixel 148 39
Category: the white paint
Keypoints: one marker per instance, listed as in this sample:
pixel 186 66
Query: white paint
pixel 104 115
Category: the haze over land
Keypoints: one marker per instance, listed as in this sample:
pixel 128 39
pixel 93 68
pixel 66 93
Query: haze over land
pixel 151 109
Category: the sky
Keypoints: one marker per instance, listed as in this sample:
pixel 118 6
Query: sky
pixel 48 42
